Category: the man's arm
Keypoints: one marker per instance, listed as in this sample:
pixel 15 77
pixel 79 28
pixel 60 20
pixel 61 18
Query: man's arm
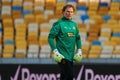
pixel 78 40
pixel 52 35
pixel 51 43
pixel 78 55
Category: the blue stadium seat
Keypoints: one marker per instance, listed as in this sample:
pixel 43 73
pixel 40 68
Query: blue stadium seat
pixel 9 42
pixel 84 17
pixel 103 4
pixel 17 8
pixel 73 1
pixel 117 34
pixel 115 0
pixel 25 12
pixel 106 17
pixel 96 42
pixel 82 8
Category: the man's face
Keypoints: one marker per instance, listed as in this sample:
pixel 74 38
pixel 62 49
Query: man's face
pixel 68 13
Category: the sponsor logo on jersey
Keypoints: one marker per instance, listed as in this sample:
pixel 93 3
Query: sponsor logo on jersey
pixel 70 34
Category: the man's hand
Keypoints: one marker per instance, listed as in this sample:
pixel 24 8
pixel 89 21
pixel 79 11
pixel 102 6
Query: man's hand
pixel 57 56
pixel 78 56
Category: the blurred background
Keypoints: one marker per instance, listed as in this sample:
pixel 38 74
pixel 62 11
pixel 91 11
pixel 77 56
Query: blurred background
pixel 25 24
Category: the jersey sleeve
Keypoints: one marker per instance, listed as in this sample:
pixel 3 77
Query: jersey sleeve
pixel 78 40
pixel 52 35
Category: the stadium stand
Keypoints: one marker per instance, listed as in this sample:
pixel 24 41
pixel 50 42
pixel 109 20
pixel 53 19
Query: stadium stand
pixel 24 27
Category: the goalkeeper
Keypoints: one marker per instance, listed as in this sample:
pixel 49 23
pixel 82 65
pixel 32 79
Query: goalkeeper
pixel 63 38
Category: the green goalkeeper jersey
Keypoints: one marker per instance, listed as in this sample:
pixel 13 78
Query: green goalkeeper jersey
pixel 64 36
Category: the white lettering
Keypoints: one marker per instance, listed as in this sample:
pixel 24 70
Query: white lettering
pixel 117 77
pixel 39 76
pixel 32 77
pixel 97 77
pixel 104 78
pixel 111 77
pixel 25 74
pixel 52 77
pixel 0 77
pixel 89 74
pixel 45 77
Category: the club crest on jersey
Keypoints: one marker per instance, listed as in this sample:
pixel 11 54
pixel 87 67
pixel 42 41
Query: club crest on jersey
pixel 73 27
pixel 65 27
